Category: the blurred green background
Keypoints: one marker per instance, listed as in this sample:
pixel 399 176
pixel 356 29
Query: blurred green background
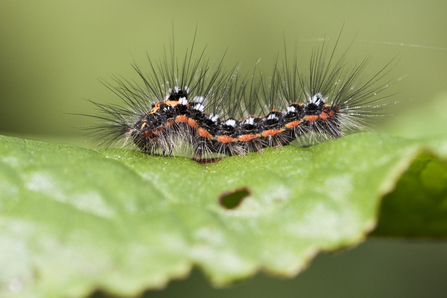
pixel 385 269
pixel 52 54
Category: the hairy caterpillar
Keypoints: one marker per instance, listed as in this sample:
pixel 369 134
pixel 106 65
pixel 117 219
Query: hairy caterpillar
pixel 220 112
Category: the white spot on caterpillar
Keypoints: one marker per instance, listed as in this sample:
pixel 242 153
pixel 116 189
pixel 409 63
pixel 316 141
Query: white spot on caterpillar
pixel 199 107
pixel 272 116
pixel 316 99
pixel 249 120
pixel 183 101
pixel 199 99
pixel 230 122
pixel 213 117
pixel 291 109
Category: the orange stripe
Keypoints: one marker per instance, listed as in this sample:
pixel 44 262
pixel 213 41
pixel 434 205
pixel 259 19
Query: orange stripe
pixel 226 139
pixel 324 116
pixel 311 118
pixel 204 133
pixel 171 103
pixel 192 123
pixel 245 138
pixel 181 118
pixel 293 124
pixel 146 134
pixel 271 132
pixel 155 108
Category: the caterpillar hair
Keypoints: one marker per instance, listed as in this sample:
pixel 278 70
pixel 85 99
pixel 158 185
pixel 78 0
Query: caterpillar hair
pixel 218 111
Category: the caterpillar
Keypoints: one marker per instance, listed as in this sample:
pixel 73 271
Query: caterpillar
pixel 219 111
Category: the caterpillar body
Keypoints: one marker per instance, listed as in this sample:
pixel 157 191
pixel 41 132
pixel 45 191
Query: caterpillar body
pixel 219 112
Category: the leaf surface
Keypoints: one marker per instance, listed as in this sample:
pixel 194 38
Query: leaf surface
pixel 73 220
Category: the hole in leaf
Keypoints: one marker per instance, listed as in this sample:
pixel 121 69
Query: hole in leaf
pixel 232 199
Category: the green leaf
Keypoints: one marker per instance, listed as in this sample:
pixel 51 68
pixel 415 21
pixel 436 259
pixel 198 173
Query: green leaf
pixel 418 205
pixel 73 220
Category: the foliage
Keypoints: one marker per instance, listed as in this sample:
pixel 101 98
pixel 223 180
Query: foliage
pixel 73 220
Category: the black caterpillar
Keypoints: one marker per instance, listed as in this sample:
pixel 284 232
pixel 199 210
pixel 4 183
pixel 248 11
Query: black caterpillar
pixel 218 112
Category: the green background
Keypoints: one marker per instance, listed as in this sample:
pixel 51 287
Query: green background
pixel 52 54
